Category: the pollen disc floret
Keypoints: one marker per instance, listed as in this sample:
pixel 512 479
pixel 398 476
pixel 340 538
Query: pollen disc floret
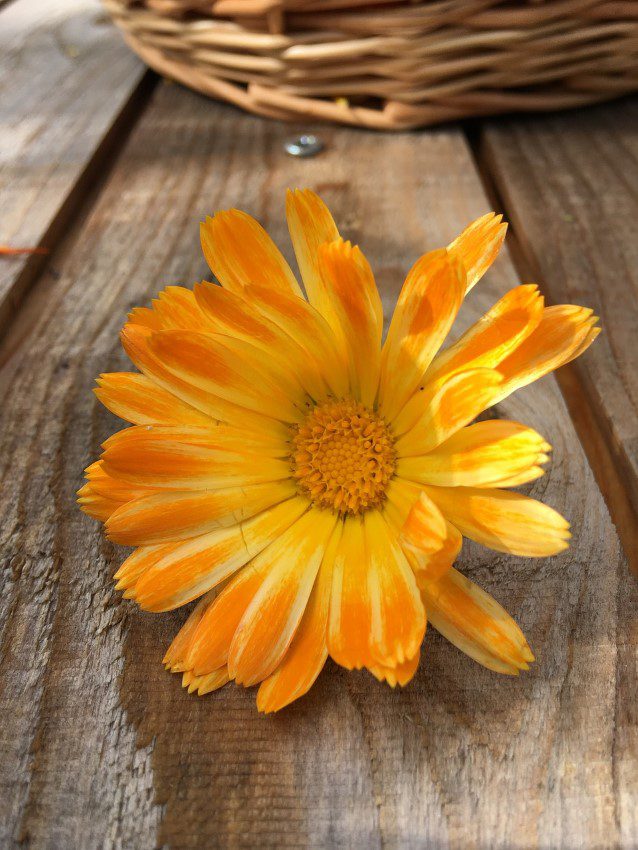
pixel 343 456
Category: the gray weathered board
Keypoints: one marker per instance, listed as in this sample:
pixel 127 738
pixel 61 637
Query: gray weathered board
pixel 66 80
pixel 571 183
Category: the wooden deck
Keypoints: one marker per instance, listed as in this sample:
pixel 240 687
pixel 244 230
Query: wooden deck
pixel 111 169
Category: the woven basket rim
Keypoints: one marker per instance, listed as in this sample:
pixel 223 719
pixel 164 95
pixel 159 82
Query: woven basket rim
pixel 391 65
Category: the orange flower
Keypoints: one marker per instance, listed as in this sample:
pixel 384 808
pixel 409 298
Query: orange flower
pixel 310 485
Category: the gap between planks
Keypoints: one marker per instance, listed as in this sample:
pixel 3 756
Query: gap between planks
pixel 71 91
pixel 590 425
pixel 77 203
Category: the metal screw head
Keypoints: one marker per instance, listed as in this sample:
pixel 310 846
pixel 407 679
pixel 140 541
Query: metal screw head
pixel 305 145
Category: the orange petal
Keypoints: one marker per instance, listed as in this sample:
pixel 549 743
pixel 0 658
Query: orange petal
pixel 443 408
pixel 398 618
pixel 205 684
pixel 310 225
pixel 137 563
pixel 475 623
pixel 173 515
pixel 479 245
pixel 235 314
pixel 137 399
pixel 114 488
pixel 309 329
pixel 376 617
pixel 350 288
pixel 96 505
pixel 308 651
pixel 199 564
pixel 564 332
pixel 399 675
pixel 350 618
pixel 179 459
pixel 273 615
pixel 430 543
pixel 177 309
pixel 427 306
pixel 175 657
pixel 231 369
pixel 481 455
pixel 207 650
pixel 135 340
pixel 16 251
pixel 240 252
pixel 145 317
pixel 496 334
pixel 501 520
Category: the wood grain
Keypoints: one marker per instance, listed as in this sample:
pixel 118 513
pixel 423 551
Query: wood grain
pixel 102 748
pixel 571 186
pixel 66 80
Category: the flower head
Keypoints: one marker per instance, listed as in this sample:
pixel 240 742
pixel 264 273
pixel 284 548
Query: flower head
pixel 310 485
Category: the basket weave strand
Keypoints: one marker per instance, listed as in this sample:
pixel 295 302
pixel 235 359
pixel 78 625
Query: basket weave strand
pixel 390 65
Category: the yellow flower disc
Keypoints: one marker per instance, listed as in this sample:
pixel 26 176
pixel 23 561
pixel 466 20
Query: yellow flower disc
pixel 343 456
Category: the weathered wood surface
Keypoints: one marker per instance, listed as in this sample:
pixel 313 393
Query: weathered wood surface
pixel 65 79
pixel 570 184
pixel 101 748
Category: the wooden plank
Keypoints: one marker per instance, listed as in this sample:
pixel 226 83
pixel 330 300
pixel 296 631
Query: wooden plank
pixel 570 186
pixel 101 747
pixel 66 80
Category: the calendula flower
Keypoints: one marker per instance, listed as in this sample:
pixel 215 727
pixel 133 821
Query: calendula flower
pixel 311 485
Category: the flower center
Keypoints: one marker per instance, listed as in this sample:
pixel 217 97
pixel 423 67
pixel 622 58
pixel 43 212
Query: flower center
pixel 343 456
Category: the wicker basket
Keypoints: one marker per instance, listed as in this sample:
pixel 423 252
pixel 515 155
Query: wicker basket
pixel 393 64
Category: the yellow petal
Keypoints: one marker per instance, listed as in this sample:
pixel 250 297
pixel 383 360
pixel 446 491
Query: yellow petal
pixel 310 225
pixel 350 618
pixel 177 309
pixel 135 341
pixel 481 455
pixel 308 651
pixel 138 562
pixel 442 409
pixel 427 306
pixel 179 459
pixel 475 623
pixel 430 543
pixel 145 317
pixel 350 288
pixel 478 245
pixel 501 520
pixel 376 615
pixel 207 649
pixel 239 252
pixel 175 657
pixel 564 332
pixel 398 618
pixel 177 515
pixel 236 315
pixel 139 400
pixel 199 564
pixel 95 505
pixel 399 675
pixel 309 329
pixel 113 487
pixel 231 369
pixel 272 617
pixel 496 334
pixel 205 684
